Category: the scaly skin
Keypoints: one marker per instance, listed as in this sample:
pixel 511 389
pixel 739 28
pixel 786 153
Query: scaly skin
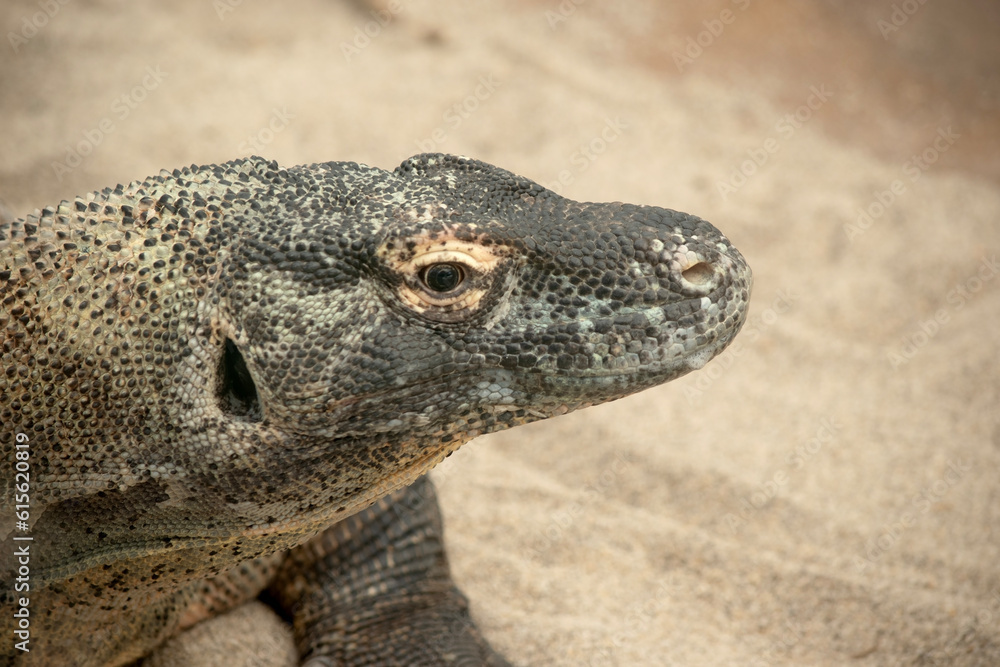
pixel 215 368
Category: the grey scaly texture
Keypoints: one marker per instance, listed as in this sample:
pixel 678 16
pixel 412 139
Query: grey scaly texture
pixel 220 369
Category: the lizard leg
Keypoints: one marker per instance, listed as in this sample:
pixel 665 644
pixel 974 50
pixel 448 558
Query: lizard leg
pixel 375 589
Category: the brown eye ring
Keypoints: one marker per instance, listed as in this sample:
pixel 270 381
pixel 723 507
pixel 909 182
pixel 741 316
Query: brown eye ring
pixel 443 277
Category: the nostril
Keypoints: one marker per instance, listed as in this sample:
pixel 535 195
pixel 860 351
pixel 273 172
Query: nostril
pixel 699 274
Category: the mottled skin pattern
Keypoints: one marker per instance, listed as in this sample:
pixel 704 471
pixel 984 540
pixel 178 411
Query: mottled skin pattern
pixel 217 367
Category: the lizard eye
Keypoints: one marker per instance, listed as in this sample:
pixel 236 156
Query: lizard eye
pixel 443 277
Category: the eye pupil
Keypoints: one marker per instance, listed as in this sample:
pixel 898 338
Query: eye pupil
pixel 443 277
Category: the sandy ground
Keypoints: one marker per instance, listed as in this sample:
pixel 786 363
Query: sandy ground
pixel 825 492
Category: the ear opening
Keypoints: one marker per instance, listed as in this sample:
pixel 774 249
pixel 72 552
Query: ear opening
pixel 237 392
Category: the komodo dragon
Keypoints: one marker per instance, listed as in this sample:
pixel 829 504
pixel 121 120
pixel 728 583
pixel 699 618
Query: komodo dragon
pixel 207 373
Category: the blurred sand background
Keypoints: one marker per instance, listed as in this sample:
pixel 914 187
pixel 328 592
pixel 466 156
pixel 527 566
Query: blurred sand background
pixel 825 492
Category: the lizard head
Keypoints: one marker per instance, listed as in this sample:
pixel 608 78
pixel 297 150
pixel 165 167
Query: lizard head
pixel 266 350
pixel 451 298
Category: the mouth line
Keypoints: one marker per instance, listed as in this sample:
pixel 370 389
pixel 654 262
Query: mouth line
pixel 631 363
pixel 691 361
